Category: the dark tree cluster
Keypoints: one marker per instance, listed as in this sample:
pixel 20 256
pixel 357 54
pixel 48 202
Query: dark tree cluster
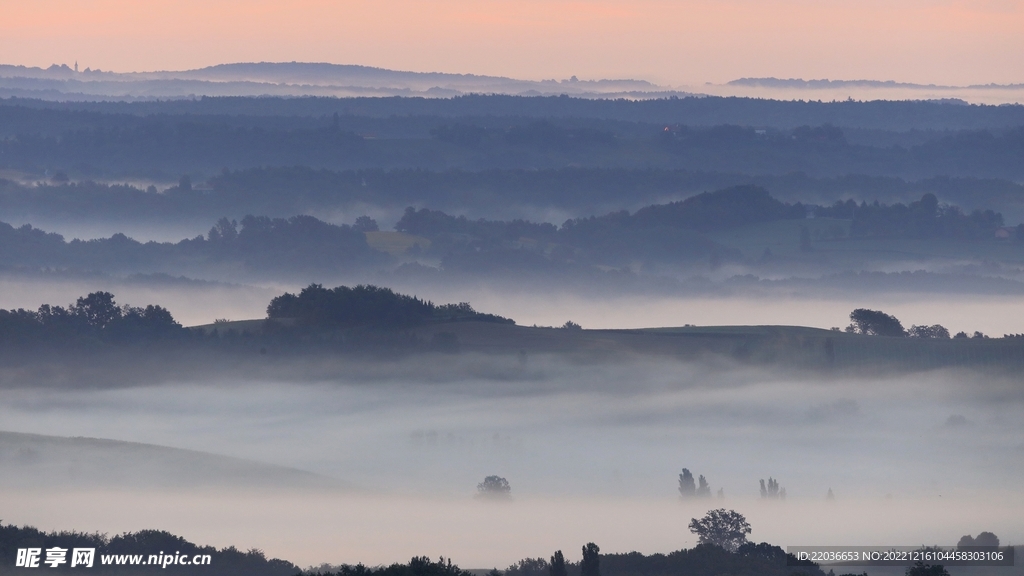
pixel 417 566
pixel 228 561
pixel 366 305
pixel 933 331
pixel 723 549
pixel 669 232
pixel 95 317
pixel 726 529
pixel 494 488
pixel 434 224
pixel 772 490
pixel 258 243
pixel 925 218
pixel 296 243
pixel 673 232
pixel 690 489
pixel 983 539
pixel 878 323
pixel 748 559
pixel 874 323
pixel 718 210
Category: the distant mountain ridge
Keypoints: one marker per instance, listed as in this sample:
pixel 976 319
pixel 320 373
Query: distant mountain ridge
pixel 295 79
pixel 825 83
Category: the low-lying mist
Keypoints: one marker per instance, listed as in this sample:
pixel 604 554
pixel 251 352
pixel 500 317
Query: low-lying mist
pixel 592 452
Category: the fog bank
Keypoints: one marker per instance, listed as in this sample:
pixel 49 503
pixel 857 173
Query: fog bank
pixel 592 453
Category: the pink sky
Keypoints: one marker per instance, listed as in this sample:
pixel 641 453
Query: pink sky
pixel 675 42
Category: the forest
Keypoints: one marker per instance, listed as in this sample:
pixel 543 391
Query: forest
pixel 684 232
pixel 163 140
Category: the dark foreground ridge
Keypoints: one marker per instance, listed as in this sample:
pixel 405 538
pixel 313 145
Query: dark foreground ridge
pixel 143 552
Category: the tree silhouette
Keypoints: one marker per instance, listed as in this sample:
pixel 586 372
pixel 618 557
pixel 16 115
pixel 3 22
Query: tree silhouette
pixel 98 308
pixel 365 224
pixel 590 566
pixel 703 489
pixel 557 567
pixel 934 331
pixel 528 567
pixel 875 323
pixel 983 539
pixel 494 487
pixel 772 491
pixel 687 487
pixel 726 529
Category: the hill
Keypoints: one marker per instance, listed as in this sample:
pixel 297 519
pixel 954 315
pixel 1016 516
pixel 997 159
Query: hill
pixel 288 79
pixel 56 462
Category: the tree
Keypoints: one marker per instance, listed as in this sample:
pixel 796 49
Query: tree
pixel 98 308
pixel 726 529
pixel 687 487
pixel 934 331
pixel 366 224
pixel 223 231
pixel 557 567
pixel 876 323
pixel 983 539
pixel 703 489
pixel 772 490
pixel 528 567
pixel 495 488
pixel 590 566
pixel 986 539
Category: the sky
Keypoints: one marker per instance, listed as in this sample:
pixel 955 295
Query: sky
pixel 670 42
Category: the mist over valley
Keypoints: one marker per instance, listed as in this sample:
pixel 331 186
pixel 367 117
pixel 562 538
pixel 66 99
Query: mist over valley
pixel 344 315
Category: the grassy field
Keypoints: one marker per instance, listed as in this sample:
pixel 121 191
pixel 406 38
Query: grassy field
pixel 797 346
pixel 794 346
pixel 395 243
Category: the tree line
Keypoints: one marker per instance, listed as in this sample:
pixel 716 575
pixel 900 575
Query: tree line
pixel 285 191
pixel 92 318
pixel 367 305
pixel 925 218
pixel 227 561
pixel 98 319
pixel 675 232
pixel 256 243
pixel 160 140
pixel 672 232
pixel 878 323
